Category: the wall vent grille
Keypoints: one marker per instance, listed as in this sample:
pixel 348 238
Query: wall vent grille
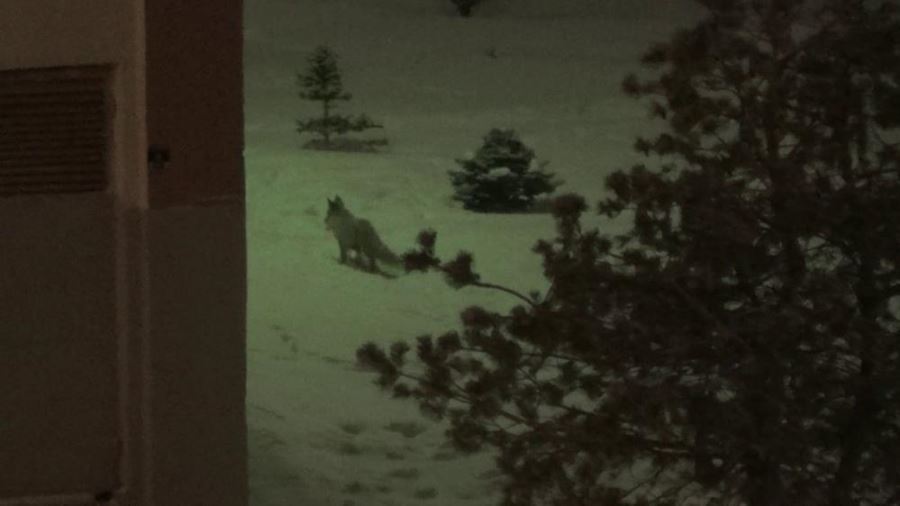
pixel 54 130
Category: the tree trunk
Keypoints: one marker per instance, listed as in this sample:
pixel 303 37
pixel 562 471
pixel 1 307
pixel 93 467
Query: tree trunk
pixel 764 486
pixel 865 403
pixel 326 114
pixel 854 433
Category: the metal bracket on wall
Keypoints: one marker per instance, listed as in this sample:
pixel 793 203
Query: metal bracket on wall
pixel 157 157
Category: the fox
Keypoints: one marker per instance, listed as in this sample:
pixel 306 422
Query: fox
pixel 358 235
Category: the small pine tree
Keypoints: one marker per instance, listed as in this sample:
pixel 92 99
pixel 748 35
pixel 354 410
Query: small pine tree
pixel 322 83
pixel 502 176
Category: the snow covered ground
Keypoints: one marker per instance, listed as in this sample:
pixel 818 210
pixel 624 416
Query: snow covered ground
pixel 320 432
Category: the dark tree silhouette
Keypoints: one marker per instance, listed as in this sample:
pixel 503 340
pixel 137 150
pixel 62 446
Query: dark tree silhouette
pixel 464 7
pixel 323 83
pixel 741 344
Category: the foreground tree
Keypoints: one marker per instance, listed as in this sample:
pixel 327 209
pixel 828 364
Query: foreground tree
pixel 322 83
pixel 741 344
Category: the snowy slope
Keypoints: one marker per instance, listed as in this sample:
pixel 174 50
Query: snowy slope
pixel 320 432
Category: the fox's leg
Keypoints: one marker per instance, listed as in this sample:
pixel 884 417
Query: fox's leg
pixel 343 253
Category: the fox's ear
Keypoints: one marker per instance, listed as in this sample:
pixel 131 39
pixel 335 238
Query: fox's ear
pixel 337 200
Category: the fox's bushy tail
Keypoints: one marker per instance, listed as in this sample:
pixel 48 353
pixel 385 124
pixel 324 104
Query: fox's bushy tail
pixel 387 255
pixel 390 261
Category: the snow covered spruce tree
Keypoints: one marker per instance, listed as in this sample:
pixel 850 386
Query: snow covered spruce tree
pixel 502 176
pixel 322 83
pixel 741 344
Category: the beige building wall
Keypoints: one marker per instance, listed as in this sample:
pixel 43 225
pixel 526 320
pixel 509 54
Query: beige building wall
pixel 122 312
pixel 197 254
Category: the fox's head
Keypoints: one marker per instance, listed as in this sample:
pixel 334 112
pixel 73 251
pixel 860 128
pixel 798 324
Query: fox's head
pixel 335 209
